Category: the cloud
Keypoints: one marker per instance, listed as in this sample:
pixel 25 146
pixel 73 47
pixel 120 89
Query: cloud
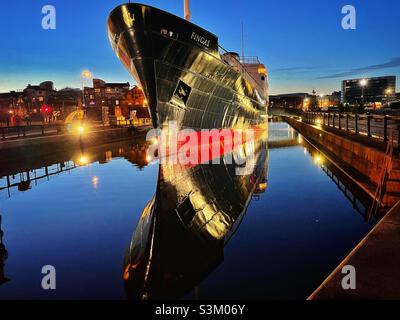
pixel 293 69
pixel 390 64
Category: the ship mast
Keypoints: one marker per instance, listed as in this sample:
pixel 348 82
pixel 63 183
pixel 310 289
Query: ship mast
pixel 242 44
pixel 186 9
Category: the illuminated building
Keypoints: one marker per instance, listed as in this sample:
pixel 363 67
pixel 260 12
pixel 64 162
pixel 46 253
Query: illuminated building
pixel 289 100
pixel 375 91
pixel 104 99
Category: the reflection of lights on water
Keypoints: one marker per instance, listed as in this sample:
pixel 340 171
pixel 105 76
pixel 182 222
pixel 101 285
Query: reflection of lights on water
pixel 95 181
pixel 300 139
pixel 83 160
pixel 318 159
pixel 108 155
pixel 305 150
pixel 291 132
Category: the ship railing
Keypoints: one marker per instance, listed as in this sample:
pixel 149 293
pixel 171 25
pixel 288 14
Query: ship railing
pixel 250 60
pixel 241 65
pixel 242 60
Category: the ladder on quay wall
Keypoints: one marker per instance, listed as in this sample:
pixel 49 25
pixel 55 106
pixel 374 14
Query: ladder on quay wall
pixel 387 167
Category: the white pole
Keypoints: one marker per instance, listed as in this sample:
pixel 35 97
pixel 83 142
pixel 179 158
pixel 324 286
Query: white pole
pixel 186 8
pixel 242 43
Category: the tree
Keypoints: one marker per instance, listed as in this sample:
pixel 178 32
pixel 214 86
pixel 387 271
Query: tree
pixel 314 103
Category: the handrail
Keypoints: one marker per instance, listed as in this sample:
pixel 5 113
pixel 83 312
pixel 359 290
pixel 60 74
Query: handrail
pixel 371 126
pixel 374 116
pixel 24 130
pixel 250 60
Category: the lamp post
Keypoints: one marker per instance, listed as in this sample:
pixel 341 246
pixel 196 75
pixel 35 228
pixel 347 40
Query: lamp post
pixel 388 92
pixel 86 74
pixel 363 84
pixel 305 104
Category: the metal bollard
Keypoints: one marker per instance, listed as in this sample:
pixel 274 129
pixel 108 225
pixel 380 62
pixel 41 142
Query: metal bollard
pixel 356 124
pixel 385 127
pixel 369 125
pixel 398 137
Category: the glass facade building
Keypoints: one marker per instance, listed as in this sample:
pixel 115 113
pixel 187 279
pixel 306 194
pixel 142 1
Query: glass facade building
pixel 369 91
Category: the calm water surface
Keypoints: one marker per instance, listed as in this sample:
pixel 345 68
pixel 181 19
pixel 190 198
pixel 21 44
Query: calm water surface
pixel 81 221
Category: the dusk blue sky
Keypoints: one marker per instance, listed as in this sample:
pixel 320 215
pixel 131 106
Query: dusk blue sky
pixel 301 43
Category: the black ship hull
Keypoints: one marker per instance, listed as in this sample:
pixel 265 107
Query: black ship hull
pixel 182 232
pixel 181 71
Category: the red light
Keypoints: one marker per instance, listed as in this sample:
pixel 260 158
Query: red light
pixel 46 109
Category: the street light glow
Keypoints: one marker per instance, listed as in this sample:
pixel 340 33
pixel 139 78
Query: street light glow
pixel 318 159
pixel 83 160
pixel 86 74
pixel 363 82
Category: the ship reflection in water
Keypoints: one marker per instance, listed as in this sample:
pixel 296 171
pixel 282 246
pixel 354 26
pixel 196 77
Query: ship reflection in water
pixel 205 232
pixel 3 257
pixel 181 234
